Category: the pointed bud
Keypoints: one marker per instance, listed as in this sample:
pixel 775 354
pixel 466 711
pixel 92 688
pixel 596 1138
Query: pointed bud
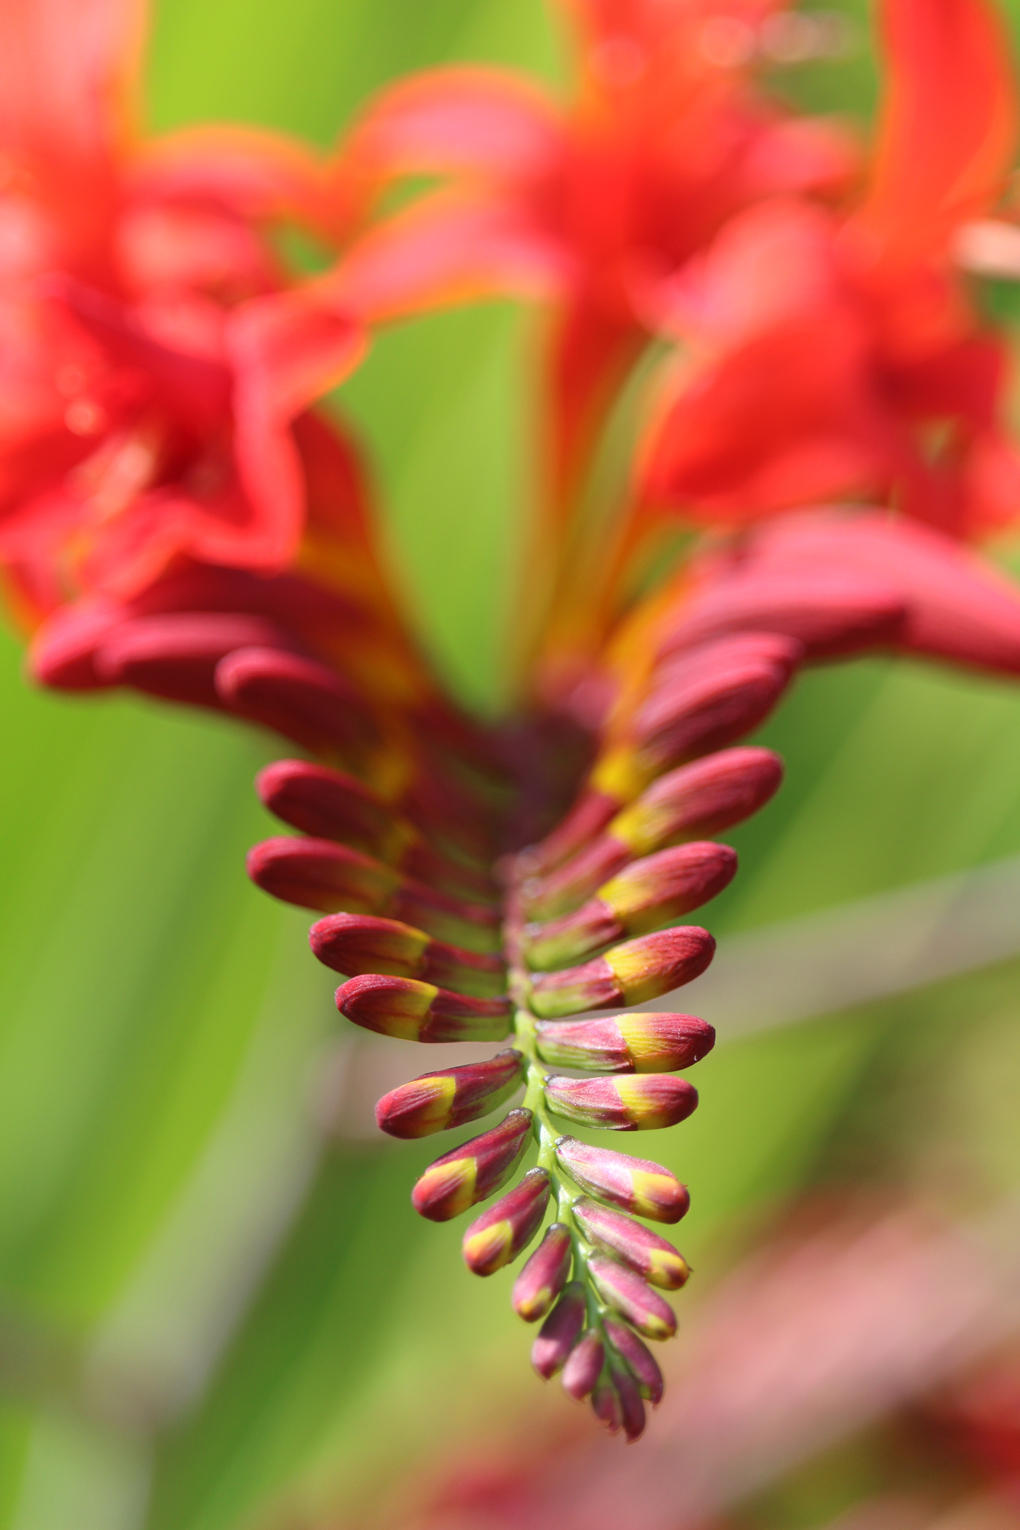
pixel 605 1403
pixel 577 879
pixel 583 1367
pixel 628 974
pixel 632 1409
pixel 635 1103
pixel 632 1297
pixel 637 1043
pixel 499 1234
pixel 363 943
pixel 175 655
pixel 545 1274
pixel 587 818
pixel 437 1102
pixel 639 1359
pixel 473 1171
pixel 299 698
pixel 558 1334
pixel 645 896
pixel 634 1184
pixel 652 1257
pixel 328 804
pixel 415 1011
pixel 699 800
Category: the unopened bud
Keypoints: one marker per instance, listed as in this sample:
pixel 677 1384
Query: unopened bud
pixel 632 1409
pixel 635 1043
pixel 327 804
pixel 605 1403
pixel 634 1184
pixel 632 1297
pixel 631 973
pixel 632 1103
pixel 297 697
pixel 640 1361
pixel 364 943
pixel 174 655
pixel 437 1102
pixel 416 1011
pixel 583 1367
pixel 698 801
pixel 652 1257
pixel 500 1233
pixel 558 1334
pixel 473 1171
pixel 545 1274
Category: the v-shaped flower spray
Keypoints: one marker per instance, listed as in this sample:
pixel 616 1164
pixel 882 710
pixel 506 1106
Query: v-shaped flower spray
pixel 175 517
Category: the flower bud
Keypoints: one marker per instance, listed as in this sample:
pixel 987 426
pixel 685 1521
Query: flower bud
pixel 500 1233
pixel 605 1403
pixel 699 800
pixel 645 896
pixel 638 1357
pixel 175 654
pixel 583 1367
pixel 587 818
pixel 634 1184
pixel 473 1171
pixel 652 1257
pixel 363 943
pixel 545 1274
pixel 297 697
pixel 558 1334
pixel 636 1043
pixel 414 1011
pixel 633 1103
pixel 720 655
pixel 632 1409
pixel 327 804
pixel 632 1297
pixel 628 974
pixel 436 1102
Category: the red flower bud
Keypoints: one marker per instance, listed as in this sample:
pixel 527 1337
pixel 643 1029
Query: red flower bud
pixel 652 1257
pixel 632 1297
pixel 330 805
pixel 500 1233
pixel 633 1103
pixel 636 1043
pixel 297 697
pixel 175 655
pixel 545 1274
pixel 699 800
pixel 473 1171
pixel 605 1403
pixel 583 1367
pixel 414 1011
pixel 638 1357
pixel 363 943
pixel 645 896
pixel 558 1334
pixel 632 1409
pixel 436 1102
pixel 632 973
pixel 634 1184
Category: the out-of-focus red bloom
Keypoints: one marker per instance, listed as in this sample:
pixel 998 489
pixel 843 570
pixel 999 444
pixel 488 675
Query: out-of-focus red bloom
pixel 150 367
pixel 839 356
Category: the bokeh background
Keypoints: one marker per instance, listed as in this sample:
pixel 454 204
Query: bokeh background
pixel 217 1308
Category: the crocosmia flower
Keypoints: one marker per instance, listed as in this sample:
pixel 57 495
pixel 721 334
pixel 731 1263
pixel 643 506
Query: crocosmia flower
pixel 176 517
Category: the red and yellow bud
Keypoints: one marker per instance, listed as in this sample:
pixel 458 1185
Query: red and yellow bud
pixel 634 1184
pixel 652 1257
pixel 637 1043
pixel 474 1171
pixel 699 800
pixel 559 1333
pixel 631 1296
pixel 301 699
pixel 646 895
pixel 415 1011
pixel 436 1102
pixel 356 944
pixel 583 1367
pixel 628 974
pixel 634 1103
pixel 500 1233
pixel 631 1408
pixel 639 1359
pixel 545 1274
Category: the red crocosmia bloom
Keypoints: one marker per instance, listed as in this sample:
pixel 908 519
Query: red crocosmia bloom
pixel 666 138
pixel 151 364
pixel 831 357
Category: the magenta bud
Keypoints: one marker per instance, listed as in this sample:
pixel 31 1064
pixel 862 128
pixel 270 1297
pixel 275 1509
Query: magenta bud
pixel 605 1403
pixel 633 1103
pixel 634 1043
pixel 654 1259
pixel 632 1297
pixel 639 1359
pixel 631 973
pixel 583 1367
pixel 416 1011
pixel 175 655
pixel 297 697
pixel 356 944
pixel 558 1334
pixel 632 1409
pixel 436 1102
pixel 634 1184
pixel 545 1274
pixel 473 1171
pixel 500 1233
